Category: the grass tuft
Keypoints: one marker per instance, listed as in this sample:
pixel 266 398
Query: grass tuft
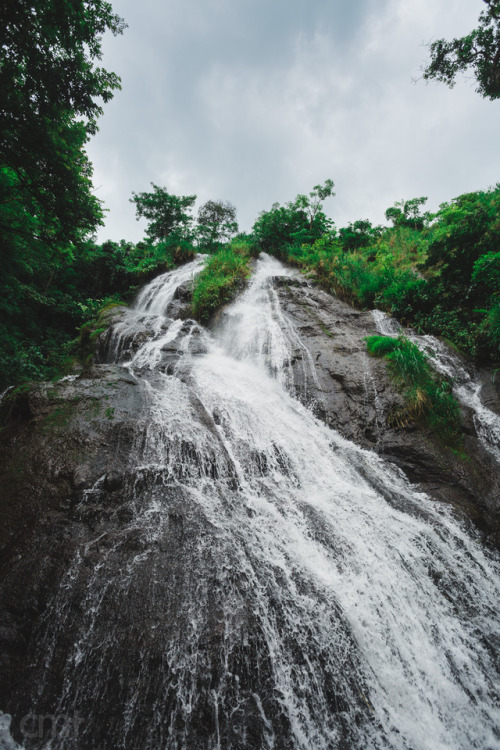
pixel 225 273
pixel 428 396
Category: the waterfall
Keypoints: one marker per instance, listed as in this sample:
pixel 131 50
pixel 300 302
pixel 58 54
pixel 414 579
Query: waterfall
pixel 466 386
pixel 5 392
pixel 268 583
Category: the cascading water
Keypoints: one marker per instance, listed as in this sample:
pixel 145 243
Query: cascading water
pixel 149 316
pixel 466 387
pixel 269 584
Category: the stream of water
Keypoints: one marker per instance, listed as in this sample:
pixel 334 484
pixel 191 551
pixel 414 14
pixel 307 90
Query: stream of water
pixel 317 600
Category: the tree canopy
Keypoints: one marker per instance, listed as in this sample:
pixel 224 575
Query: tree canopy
pixel 311 204
pixel 479 50
pixel 48 79
pixel 166 213
pixel 51 91
pixel 298 222
pixel 48 49
pixel 216 222
pixel 358 234
pixel 407 213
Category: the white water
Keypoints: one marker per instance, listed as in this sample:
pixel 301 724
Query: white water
pixel 376 611
pixel 6 741
pixel 257 331
pixel 5 392
pixel 430 677
pixel 148 313
pixel 465 386
pixel 156 296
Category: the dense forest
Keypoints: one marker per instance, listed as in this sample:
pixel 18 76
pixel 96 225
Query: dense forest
pixel 439 273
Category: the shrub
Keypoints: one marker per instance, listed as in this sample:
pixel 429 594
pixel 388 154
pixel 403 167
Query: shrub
pixel 219 282
pixel 380 346
pixel 428 396
pixel 434 277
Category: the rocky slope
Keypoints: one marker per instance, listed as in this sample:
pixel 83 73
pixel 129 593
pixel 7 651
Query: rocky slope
pixel 354 394
pixel 69 488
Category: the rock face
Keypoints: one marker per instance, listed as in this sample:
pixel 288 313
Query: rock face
pixel 59 440
pixel 353 393
pixel 77 472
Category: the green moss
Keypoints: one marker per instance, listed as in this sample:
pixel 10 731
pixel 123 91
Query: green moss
pixel 326 330
pixel 93 408
pixel 60 416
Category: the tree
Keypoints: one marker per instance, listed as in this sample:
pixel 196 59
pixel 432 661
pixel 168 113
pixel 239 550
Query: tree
pixel 465 230
pixel 407 214
pixel 479 50
pixel 301 221
pixel 216 223
pixel 48 48
pixel 311 204
pixel 359 234
pixel 166 213
pixel 50 98
pixel 48 80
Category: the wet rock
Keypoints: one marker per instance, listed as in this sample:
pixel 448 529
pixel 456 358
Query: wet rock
pixel 113 481
pixel 287 281
pixel 180 307
pixel 353 393
pixel 490 391
pixel 87 510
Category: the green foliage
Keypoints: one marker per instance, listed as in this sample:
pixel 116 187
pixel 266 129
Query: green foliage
pixel 479 50
pixel 43 307
pixel 216 224
pixel 360 277
pixel 91 330
pixel 222 277
pixel 243 244
pixel 407 214
pixel 165 213
pixel 48 51
pixel 428 396
pixel 358 234
pixel 466 228
pixel 442 278
pixel 311 204
pixel 485 277
pixel 298 222
pixel 48 83
pixel 51 92
pixel 379 346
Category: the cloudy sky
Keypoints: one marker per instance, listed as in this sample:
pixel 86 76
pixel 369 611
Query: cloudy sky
pixel 255 101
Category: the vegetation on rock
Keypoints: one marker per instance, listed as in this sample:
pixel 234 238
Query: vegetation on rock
pixel 224 274
pixel 428 396
pixel 439 273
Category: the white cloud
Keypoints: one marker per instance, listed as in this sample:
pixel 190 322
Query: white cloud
pixel 224 105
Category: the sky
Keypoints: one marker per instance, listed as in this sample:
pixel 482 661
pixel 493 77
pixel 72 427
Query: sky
pixel 256 101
